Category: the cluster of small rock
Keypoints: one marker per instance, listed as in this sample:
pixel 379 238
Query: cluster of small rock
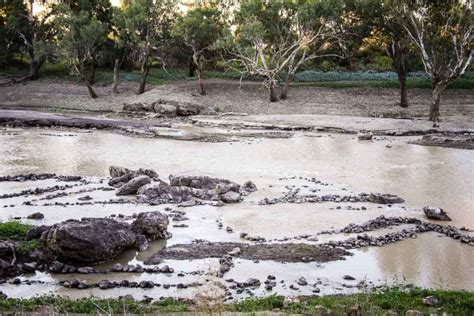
pixel 366 240
pixel 377 223
pixel 109 201
pixel 179 189
pixel 225 264
pixel 37 191
pixel 421 227
pixel 38 177
pixel 293 197
pixel 106 284
pixel 166 108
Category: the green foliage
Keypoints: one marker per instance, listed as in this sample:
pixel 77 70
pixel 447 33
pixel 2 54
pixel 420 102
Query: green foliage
pixel 200 28
pixel 375 302
pixel 257 304
pixel 82 28
pixel 144 26
pixel 27 246
pixel 443 33
pixel 13 230
pixel 90 305
pixel 13 21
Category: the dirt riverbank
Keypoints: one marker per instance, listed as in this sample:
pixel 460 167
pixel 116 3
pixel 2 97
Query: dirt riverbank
pixel 248 97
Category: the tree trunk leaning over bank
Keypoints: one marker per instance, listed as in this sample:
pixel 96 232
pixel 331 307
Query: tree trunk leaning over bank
pixel 80 72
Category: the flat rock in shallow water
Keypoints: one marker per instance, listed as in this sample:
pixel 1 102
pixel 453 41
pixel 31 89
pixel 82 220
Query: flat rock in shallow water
pixel 277 252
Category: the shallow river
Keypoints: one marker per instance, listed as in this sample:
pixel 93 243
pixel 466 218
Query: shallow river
pixel 421 175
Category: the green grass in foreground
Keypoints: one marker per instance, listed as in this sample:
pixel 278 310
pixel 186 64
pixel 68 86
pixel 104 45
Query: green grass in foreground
pixel 398 299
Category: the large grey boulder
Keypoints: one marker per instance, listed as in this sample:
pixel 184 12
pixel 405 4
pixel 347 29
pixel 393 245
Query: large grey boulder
pixel 121 175
pixel 155 191
pixel 187 109
pixel 116 171
pixel 164 193
pixel 91 240
pixel 167 110
pixel 153 225
pixel 132 186
pixel 205 183
pixel 121 180
pixel 231 197
pixel 147 172
pixel 249 187
pixel 137 107
pixel 436 213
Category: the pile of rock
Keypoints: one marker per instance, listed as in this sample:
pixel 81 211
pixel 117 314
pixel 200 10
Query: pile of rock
pixel 152 190
pixel 164 108
pixel 377 223
pixel 38 177
pixel 293 196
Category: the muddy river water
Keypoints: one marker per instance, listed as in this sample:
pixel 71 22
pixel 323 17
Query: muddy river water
pixel 433 176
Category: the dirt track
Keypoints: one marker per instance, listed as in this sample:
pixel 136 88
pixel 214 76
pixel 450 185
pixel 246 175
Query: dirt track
pixel 251 98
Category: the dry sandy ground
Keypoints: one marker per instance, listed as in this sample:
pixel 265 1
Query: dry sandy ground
pixel 250 97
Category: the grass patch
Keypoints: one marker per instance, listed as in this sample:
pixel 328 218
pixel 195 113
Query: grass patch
pixel 60 305
pixel 13 230
pixel 398 299
pixel 376 302
pixel 257 304
pixel 26 246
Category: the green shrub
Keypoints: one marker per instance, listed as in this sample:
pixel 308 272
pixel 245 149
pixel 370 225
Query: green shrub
pixel 27 246
pixel 13 230
pixel 327 65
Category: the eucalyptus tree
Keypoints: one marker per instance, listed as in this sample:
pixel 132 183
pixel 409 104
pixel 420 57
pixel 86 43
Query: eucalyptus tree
pixel 382 16
pixel 30 33
pixel 143 29
pixel 201 29
pixel 442 31
pixel 80 37
pixel 279 37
